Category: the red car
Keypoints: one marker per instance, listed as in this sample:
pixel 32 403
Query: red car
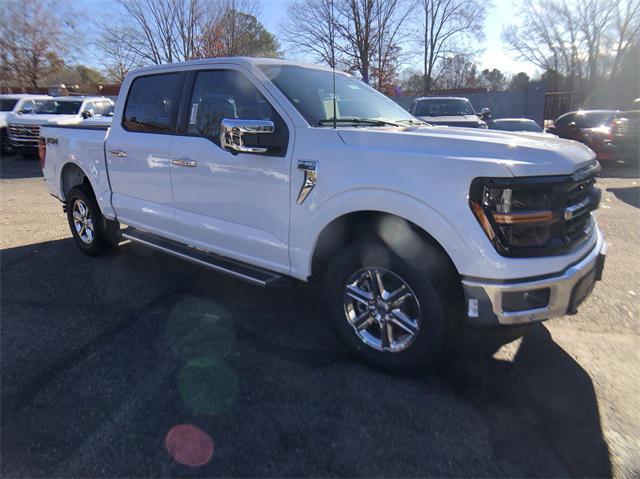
pixel 591 127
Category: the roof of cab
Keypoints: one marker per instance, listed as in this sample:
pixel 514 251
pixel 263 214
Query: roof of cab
pixel 79 98
pixel 528 120
pixel 18 96
pixel 243 61
pixel 441 98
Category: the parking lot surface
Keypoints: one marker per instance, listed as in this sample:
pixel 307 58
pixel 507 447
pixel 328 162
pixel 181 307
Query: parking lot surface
pixel 102 357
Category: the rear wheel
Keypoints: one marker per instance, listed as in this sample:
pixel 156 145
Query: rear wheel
pixel 85 220
pixel 391 313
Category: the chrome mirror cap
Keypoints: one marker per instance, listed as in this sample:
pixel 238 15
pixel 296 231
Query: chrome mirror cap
pixel 232 130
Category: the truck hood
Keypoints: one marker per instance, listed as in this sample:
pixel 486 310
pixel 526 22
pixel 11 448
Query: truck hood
pixel 461 120
pixel 43 120
pixel 523 154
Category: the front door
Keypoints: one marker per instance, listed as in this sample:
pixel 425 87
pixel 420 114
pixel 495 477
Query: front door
pixel 234 204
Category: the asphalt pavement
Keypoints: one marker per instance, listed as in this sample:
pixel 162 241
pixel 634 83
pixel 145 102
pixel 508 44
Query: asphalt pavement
pixel 136 364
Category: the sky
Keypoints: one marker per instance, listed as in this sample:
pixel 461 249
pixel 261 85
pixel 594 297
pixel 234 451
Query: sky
pixel 494 55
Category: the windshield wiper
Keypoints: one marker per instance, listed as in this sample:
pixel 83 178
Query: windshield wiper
pixel 357 121
pixel 413 122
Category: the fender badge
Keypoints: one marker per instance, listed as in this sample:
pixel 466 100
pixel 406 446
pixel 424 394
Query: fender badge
pixel 310 178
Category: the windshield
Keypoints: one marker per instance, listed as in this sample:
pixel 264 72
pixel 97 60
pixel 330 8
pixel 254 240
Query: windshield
pixel 443 107
pixel 7 104
pixel 311 92
pixel 516 126
pixel 107 110
pixel 594 119
pixel 53 107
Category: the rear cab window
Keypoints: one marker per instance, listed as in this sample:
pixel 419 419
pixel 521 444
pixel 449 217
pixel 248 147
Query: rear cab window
pixel 152 103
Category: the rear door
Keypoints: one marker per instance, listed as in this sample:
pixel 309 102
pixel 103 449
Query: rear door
pixel 137 152
pixel 235 204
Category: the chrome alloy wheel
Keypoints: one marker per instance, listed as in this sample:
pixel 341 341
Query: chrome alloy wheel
pixel 82 221
pixel 382 309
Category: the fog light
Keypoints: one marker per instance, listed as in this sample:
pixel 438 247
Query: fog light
pixel 524 300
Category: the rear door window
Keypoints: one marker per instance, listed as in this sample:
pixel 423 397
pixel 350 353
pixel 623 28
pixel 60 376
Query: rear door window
pixel 152 103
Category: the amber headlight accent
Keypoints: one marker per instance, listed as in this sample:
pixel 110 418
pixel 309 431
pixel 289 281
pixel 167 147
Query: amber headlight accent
pixel 524 217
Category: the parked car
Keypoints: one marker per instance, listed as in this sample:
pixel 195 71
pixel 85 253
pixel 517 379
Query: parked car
pixel 413 231
pixel 448 111
pixel 15 103
pixel 591 127
pixel 625 135
pixel 24 127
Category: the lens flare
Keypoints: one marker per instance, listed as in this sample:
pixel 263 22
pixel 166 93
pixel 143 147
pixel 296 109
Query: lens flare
pixel 189 445
pixel 208 385
pixel 199 327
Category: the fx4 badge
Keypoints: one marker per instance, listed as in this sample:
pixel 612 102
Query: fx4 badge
pixel 310 169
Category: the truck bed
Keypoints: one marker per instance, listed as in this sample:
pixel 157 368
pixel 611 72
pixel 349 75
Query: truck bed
pixel 82 146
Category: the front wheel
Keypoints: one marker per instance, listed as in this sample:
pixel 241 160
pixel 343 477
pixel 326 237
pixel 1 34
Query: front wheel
pixel 85 221
pixel 390 312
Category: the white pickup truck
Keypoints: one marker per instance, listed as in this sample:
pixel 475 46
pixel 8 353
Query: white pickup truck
pixel 11 104
pixel 241 165
pixel 24 126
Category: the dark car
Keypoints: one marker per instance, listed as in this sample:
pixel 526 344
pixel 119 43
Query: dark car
pixel 448 111
pixel 625 135
pixel 515 124
pixel 591 127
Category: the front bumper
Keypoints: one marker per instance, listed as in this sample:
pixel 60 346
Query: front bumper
pixel 484 299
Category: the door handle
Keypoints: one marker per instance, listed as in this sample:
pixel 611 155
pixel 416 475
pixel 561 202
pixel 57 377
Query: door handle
pixel 118 153
pixel 184 162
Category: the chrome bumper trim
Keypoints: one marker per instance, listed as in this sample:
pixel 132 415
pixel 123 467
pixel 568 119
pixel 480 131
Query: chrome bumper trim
pixel 561 288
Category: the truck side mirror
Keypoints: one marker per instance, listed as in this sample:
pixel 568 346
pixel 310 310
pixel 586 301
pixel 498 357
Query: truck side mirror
pixel 232 131
pixel 86 114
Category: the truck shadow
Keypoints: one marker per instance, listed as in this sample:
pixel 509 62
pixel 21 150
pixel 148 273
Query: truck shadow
pixel 630 195
pixel 620 169
pixel 89 367
pixel 13 167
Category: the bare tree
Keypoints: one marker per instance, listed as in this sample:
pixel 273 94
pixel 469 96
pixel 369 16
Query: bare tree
pixel 363 35
pixel 166 31
pixel 356 26
pixel 391 16
pixel 309 29
pixel 33 39
pixel 458 71
pixel 447 26
pixel 117 58
pixel 584 41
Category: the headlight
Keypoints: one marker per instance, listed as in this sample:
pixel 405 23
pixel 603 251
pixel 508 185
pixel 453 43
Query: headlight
pixel 534 216
pixel 513 217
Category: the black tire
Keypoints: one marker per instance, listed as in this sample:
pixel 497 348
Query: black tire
pixel 434 283
pixel 91 244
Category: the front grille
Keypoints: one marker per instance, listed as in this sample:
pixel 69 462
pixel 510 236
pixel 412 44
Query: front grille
pixel 24 133
pixel 575 200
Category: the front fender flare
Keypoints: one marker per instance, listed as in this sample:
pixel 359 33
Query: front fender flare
pixel 304 237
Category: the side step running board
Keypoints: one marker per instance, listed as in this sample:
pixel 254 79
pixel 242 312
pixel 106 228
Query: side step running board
pixel 233 268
